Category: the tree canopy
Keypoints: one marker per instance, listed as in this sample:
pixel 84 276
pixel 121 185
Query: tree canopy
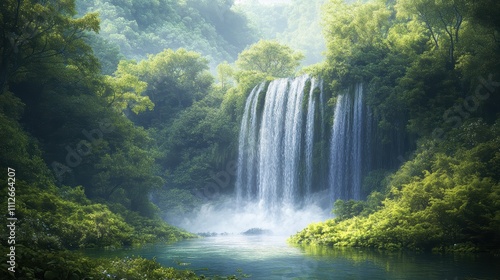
pixel 271 58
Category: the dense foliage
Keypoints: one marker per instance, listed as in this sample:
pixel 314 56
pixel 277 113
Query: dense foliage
pixel 431 70
pixel 104 146
pixel 67 265
pixel 92 136
pixel 139 28
pixel 271 58
pixel 84 171
pixel 446 198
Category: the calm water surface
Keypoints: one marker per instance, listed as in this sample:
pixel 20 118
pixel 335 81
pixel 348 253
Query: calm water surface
pixel 270 257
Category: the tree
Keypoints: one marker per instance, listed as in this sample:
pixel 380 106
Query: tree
pixel 125 176
pixel 37 32
pixel 144 27
pixel 225 76
pixel 125 91
pixel 271 58
pixel 441 18
pixel 355 36
pixel 175 80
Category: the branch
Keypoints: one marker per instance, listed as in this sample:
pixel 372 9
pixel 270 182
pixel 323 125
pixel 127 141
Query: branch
pixel 445 25
pixel 459 22
pixel 426 21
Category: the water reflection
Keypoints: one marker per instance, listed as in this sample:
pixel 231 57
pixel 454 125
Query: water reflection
pixel 270 257
pixel 406 265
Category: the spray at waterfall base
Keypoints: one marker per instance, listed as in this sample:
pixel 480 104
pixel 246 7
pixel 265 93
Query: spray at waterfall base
pixel 224 216
pixel 293 163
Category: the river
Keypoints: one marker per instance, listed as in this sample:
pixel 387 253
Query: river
pixel 270 257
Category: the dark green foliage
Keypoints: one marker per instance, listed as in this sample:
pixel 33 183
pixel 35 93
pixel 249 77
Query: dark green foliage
pixel 344 210
pixel 175 79
pixel 108 53
pixel 84 171
pixel 43 264
pixel 174 203
pixel 200 143
pixel 42 36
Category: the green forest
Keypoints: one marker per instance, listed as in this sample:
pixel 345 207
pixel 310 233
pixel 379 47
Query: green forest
pixel 115 116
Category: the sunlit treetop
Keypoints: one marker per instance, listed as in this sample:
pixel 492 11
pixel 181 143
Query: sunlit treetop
pixel 271 58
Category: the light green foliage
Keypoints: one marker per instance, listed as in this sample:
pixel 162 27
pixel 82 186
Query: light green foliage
pixel 270 57
pixel 140 268
pixel 447 204
pixel 52 222
pixel 225 76
pixel 126 91
pixel 353 34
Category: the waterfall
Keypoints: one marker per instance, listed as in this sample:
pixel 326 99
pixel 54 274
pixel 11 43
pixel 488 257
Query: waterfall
pixel 311 106
pixel 349 146
pixel 282 145
pixel 296 155
pixel 274 140
pixel 247 146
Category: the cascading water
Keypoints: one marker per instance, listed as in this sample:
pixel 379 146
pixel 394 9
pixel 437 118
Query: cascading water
pixel 247 148
pixel 292 164
pixel 271 151
pixel 309 139
pixel 276 163
pixel 350 146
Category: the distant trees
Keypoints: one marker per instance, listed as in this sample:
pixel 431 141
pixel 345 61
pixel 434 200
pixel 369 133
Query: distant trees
pixel 139 28
pixel 295 23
